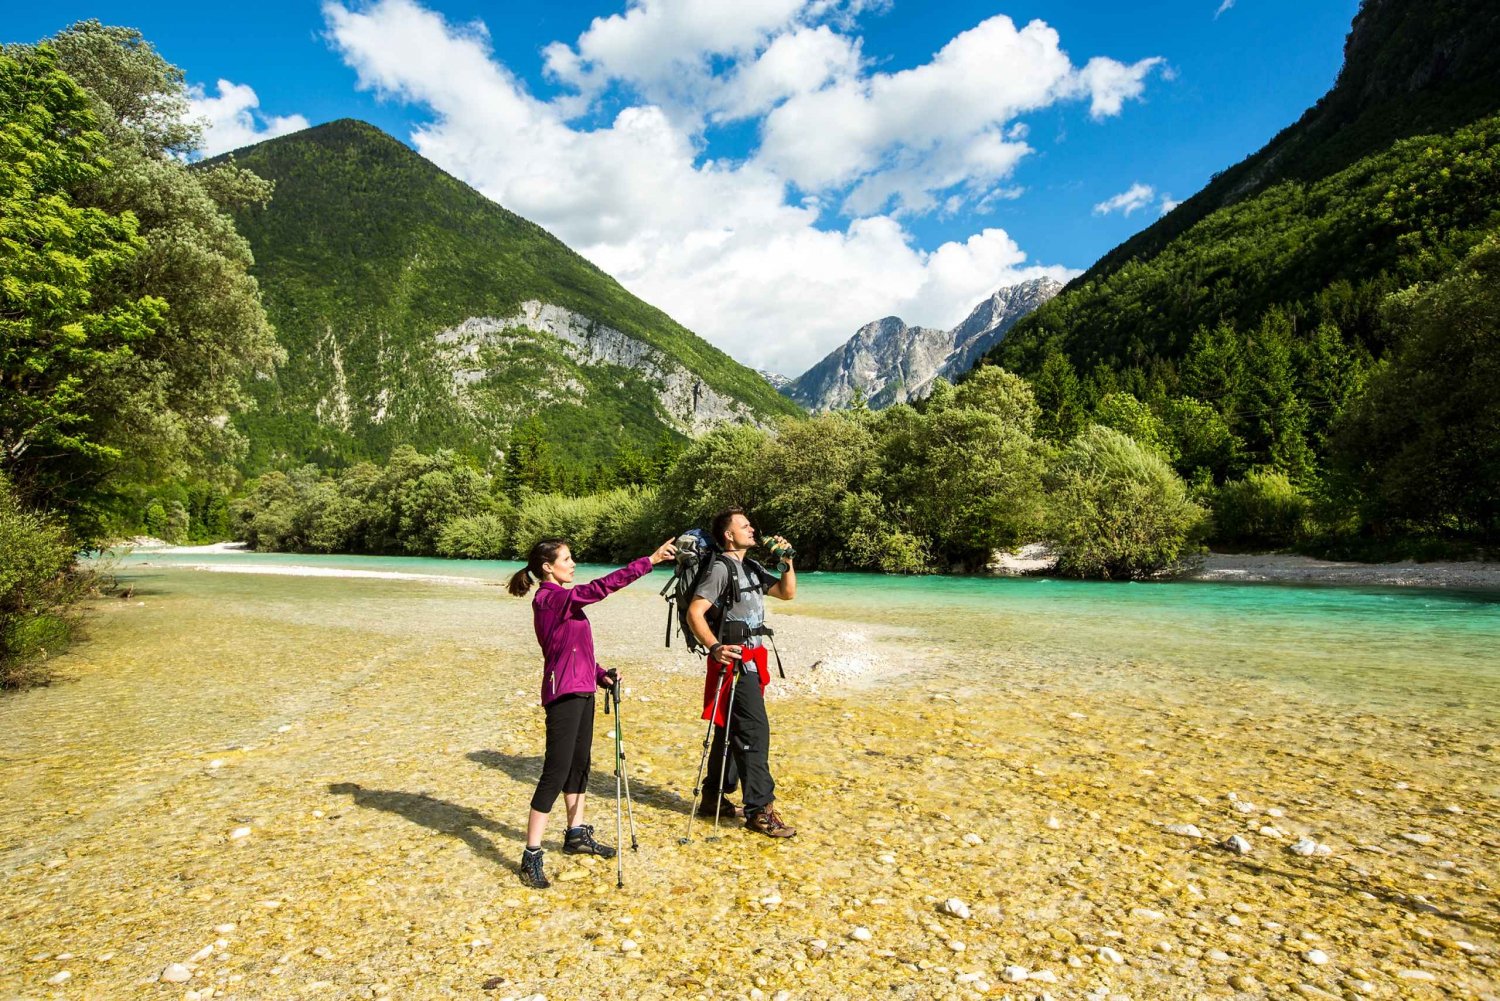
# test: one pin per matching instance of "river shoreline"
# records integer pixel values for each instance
(1256, 568)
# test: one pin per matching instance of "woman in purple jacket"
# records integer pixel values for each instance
(570, 673)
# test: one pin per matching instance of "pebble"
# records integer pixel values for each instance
(1218, 955)
(1237, 844)
(1186, 830)
(1015, 974)
(1243, 982)
(1273, 812)
(201, 954)
(628, 945)
(1043, 976)
(1307, 847)
(238, 833)
(1416, 975)
(1316, 957)
(861, 934)
(1271, 832)
(771, 901)
(956, 945)
(957, 908)
(1109, 955)
(176, 973)
(973, 839)
(1146, 914)
(225, 929)
(1053, 823)
(1419, 838)
(886, 858)
(59, 978)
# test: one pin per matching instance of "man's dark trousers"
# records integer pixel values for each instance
(749, 746)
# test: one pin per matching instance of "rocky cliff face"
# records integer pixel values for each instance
(480, 348)
(887, 362)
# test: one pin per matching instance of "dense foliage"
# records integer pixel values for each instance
(903, 490)
(1307, 331)
(368, 250)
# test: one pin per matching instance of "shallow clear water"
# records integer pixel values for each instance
(1405, 650)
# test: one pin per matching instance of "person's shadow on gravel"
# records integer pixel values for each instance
(527, 768)
(456, 821)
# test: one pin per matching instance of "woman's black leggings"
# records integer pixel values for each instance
(570, 739)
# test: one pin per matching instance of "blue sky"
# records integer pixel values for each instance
(775, 173)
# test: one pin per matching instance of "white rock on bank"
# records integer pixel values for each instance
(1016, 974)
(957, 908)
(1237, 844)
(176, 973)
(861, 934)
(1185, 830)
(1316, 957)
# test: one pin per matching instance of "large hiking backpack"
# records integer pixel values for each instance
(696, 555)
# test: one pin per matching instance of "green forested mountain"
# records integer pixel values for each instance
(367, 254)
(1266, 297)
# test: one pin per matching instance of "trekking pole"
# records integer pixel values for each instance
(734, 681)
(625, 770)
(687, 834)
(619, 757)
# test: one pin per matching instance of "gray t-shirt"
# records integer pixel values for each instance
(751, 606)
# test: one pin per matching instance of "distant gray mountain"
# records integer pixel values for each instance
(778, 381)
(888, 362)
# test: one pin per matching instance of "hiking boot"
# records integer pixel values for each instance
(767, 822)
(531, 869)
(580, 841)
(727, 810)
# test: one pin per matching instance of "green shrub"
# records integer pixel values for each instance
(1263, 509)
(38, 586)
(475, 537)
(1117, 511)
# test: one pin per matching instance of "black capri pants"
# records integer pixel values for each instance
(570, 740)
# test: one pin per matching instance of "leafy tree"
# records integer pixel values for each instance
(1059, 398)
(167, 401)
(65, 329)
(808, 469)
(1118, 510)
(1136, 420)
(962, 478)
(724, 468)
(993, 390)
(1422, 441)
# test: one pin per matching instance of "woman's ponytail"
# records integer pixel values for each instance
(544, 551)
(520, 582)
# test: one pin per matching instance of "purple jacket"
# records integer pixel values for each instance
(567, 640)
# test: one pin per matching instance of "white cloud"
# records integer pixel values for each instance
(1138, 196)
(233, 119)
(798, 62)
(1168, 203)
(1223, 7)
(663, 47)
(728, 248)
